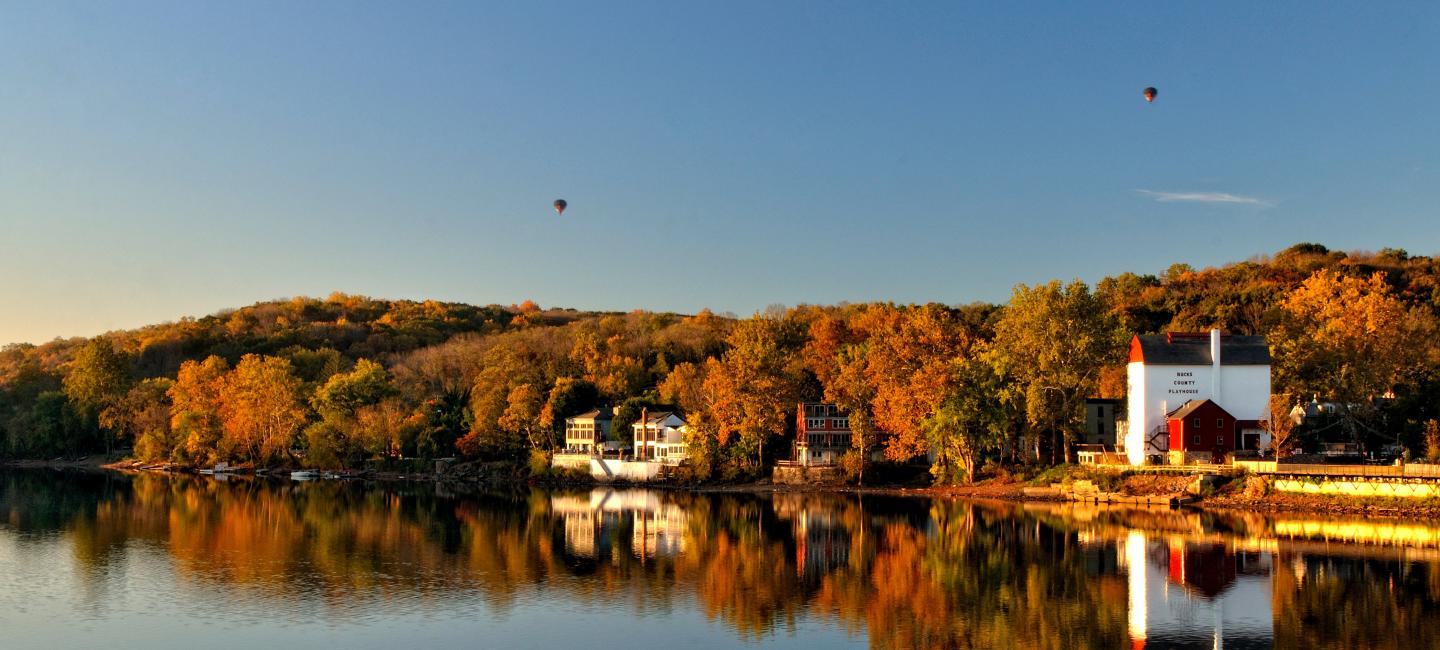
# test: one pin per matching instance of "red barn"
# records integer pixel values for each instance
(1201, 431)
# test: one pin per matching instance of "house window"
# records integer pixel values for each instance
(1219, 423)
(1197, 423)
(1220, 441)
(1195, 439)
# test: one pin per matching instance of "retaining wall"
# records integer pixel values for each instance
(581, 461)
(1358, 486)
(624, 470)
(799, 474)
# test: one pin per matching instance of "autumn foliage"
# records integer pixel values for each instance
(349, 380)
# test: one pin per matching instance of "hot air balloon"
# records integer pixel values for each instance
(560, 206)
(1150, 94)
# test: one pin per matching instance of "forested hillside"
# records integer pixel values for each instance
(347, 379)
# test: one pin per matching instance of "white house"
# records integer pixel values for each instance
(1168, 370)
(660, 436)
(589, 433)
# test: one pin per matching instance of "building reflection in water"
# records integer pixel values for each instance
(1196, 593)
(821, 541)
(890, 572)
(1199, 588)
(593, 520)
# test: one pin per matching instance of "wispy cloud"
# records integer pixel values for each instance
(1202, 197)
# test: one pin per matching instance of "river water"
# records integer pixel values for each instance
(117, 561)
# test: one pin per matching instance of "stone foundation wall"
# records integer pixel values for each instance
(799, 474)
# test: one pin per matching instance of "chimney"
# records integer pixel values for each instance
(1215, 365)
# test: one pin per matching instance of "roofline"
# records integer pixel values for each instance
(1137, 349)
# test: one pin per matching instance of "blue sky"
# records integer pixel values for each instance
(159, 160)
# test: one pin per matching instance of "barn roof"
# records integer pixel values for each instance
(1192, 406)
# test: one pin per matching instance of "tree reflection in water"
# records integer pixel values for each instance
(893, 572)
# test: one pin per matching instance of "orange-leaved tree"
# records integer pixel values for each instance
(1351, 339)
(261, 409)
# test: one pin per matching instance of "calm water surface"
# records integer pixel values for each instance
(114, 561)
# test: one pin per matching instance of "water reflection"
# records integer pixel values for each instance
(593, 521)
(275, 560)
(1200, 594)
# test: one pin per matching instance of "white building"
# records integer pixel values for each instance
(1168, 370)
(589, 433)
(660, 436)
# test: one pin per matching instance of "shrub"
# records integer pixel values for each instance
(539, 463)
(852, 464)
(1069, 473)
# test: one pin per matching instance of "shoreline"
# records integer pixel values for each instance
(88, 463)
(1228, 501)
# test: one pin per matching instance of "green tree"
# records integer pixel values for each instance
(143, 417)
(344, 394)
(340, 438)
(98, 376)
(316, 366)
(569, 397)
(971, 421)
(55, 421)
(1055, 342)
(20, 388)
